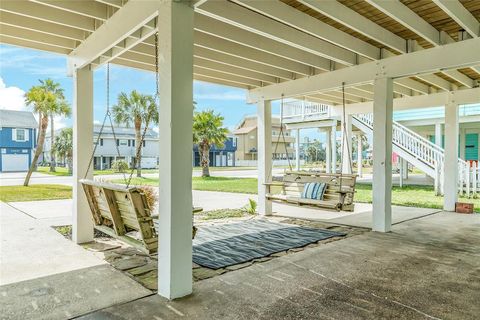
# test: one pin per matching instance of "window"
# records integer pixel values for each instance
(129, 143)
(101, 142)
(20, 135)
(143, 143)
(122, 142)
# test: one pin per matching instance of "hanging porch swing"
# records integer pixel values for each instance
(122, 211)
(318, 190)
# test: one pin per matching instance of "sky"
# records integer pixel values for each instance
(21, 69)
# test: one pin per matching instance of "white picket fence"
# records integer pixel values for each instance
(469, 179)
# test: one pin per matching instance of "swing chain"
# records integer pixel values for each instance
(147, 120)
(344, 139)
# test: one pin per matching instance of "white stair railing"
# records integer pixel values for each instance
(431, 155)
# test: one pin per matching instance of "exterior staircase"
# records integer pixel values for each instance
(418, 151)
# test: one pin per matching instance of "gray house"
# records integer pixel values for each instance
(106, 152)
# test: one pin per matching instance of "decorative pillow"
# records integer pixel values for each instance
(313, 190)
(321, 191)
(310, 190)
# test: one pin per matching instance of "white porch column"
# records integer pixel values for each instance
(462, 142)
(404, 168)
(175, 34)
(382, 154)
(82, 225)
(347, 144)
(451, 155)
(328, 151)
(438, 134)
(101, 162)
(297, 150)
(333, 141)
(359, 155)
(264, 110)
(400, 177)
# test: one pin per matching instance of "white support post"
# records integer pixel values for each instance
(400, 180)
(347, 144)
(438, 134)
(328, 151)
(382, 155)
(82, 228)
(264, 110)
(333, 141)
(462, 143)
(101, 162)
(359, 155)
(450, 176)
(297, 150)
(175, 33)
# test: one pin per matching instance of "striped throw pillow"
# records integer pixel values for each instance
(313, 190)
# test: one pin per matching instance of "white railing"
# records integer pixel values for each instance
(430, 155)
(305, 110)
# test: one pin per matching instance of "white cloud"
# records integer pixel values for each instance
(11, 98)
(59, 122)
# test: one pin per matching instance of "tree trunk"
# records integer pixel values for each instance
(52, 139)
(205, 159)
(138, 145)
(38, 151)
(38, 133)
(69, 164)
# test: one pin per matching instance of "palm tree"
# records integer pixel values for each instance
(63, 146)
(140, 110)
(41, 101)
(62, 109)
(208, 130)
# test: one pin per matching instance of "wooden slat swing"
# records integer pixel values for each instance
(121, 211)
(339, 189)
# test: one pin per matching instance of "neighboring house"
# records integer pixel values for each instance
(219, 157)
(17, 140)
(106, 152)
(430, 122)
(246, 135)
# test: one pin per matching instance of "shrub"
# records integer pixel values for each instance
(120, 166)
(251, 207)
(150, 194)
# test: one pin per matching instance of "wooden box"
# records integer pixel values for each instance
(462, 207)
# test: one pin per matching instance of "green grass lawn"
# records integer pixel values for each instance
(223, 184)
(59, 171)
(35, 192)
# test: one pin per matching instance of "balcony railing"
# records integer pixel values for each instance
(299, 110)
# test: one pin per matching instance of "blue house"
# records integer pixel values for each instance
(17, 140)
(219, 157)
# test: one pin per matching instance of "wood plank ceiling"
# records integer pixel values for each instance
(231, 52)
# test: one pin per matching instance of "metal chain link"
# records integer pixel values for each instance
(147, 121)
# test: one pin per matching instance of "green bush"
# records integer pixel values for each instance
(120, 166)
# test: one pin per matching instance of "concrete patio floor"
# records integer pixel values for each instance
(428, 268)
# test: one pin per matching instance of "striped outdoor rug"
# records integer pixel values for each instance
(219, 246)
